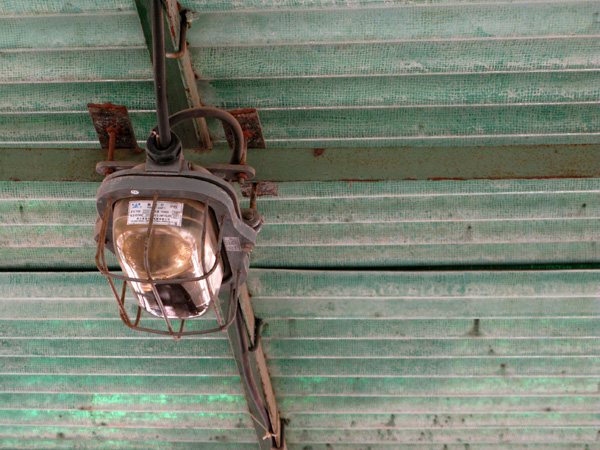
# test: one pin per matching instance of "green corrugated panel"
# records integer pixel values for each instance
(47, 7)
(320, 72)
(358, 360)
(89, 381)
(74, 97)
(64, 31)
(367, 59)
(376, 23)
(360, 224)
(61, 130)
(327, 5)
(394, 90)
(57, 57)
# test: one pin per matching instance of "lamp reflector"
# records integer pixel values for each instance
(174, 251)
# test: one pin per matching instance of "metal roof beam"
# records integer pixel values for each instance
(335, 164)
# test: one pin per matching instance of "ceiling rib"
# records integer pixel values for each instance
(340, 164)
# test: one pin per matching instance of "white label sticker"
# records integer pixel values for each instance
(167, 213)
(232, 244)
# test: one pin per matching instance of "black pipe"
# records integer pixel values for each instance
(160, 77)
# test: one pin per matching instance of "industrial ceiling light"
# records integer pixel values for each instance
(177, 231)
(176, 228)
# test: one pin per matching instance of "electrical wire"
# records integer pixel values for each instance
(239, 148)
(160, 77)
(247, 376)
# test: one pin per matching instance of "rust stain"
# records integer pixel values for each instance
(251, 128)
(357, 180)
(109, 118)
(243, 111)
(263, 188)
(318, 152)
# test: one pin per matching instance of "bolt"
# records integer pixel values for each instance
(241, 178)
(248, 215)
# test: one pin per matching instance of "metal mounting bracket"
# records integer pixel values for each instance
(113, 119)
(248, 119)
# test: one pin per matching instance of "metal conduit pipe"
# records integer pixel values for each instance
(160, 77)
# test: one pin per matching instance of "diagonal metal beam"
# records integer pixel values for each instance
(182, 91)
(259, 373)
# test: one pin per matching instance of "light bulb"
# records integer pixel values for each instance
(174, 251)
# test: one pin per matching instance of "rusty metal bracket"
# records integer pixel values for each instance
(113, 166)
(113, 119)
(263, 188)
(231, 172)
(248, 119)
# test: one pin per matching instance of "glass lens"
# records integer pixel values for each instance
(174, 251)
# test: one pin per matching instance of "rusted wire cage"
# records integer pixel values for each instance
(153, 282)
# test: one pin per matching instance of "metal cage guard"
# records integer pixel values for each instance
(103, 268)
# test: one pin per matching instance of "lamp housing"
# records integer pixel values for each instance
(180, 236)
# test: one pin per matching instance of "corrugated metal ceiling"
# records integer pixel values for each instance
(381, 358)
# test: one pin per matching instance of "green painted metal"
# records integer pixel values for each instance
(190, 436)
(245, 6)
(100, 64)
(48, 7)
(395, 90)
(375, 23)
(74, 97)
(422, 126)
(367, 90)
(335, 164)
(478, 56)
(375, 224)
(455, 74)
(66, 443)
(339, 378)
(453, 355)
(64, 31)
(54, 130)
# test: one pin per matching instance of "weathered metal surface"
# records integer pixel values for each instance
(109, 119)
(29, 8)
(335, 164)
(347, 224)
(457, 74)
(354, 92)
(419, 368)
(181, 86)
(263, 188)
(290, 24)
(442, 360)
(248, 119)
